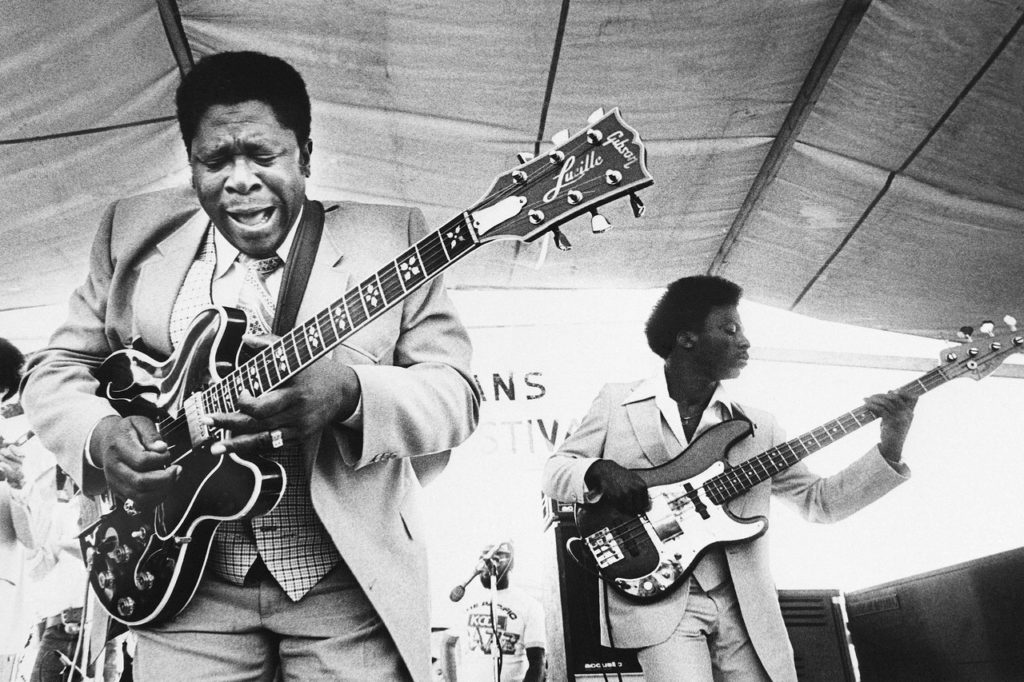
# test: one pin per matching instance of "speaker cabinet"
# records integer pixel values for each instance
(962, 622)
(817, 630)
(571, 610)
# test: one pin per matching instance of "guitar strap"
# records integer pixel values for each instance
(299, 265)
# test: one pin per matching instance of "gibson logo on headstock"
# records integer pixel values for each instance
(615, 140)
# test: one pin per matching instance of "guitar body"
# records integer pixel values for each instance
(646, 557)
(145, 563)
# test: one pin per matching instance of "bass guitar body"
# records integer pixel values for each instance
(145, 563)
(645, 557)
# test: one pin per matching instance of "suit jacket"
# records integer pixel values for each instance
(418, 395)
(633, 433)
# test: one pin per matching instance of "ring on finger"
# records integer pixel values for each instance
(276, 439)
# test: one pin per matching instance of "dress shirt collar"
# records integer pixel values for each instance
(227, 253)
(656, 387)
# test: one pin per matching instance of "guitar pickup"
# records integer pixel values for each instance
(198, 432)
(605, 548)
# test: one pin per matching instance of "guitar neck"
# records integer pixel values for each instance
(739, 479)
(360, 305)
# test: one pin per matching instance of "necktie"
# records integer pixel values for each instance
(254, 297)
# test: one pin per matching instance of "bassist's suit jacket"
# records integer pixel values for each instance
(625, 425)
(418, 395)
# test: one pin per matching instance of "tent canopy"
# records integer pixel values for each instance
(853, 161)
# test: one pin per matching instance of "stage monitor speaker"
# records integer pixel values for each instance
(817, 630)
(963, 622)
(571, 610)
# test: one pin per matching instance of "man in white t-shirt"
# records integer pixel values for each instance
(516, 621)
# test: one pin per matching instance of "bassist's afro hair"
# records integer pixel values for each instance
(685, 306)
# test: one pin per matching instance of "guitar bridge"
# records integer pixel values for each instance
(605, 548)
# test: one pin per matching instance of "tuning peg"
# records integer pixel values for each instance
(637, 206)
(1011, 322)
(524, 157)
(560, 240)
(987, 327)
(560, 138)
(596, 116)
(965, 333)
(598, 223)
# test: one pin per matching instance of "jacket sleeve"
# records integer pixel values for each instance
(564, 472)
(833, 498)
(425, 399)
(59, 391)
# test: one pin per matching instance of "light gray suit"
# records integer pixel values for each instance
(633, 433)
(418, 395)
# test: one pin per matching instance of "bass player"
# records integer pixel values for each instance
(724, 623)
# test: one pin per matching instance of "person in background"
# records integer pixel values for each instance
(725, 623)
(332, 583)
(514, 618)
(15, 607)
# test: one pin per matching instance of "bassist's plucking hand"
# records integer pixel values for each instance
(134, 459)
(896, 410)
(618, 486)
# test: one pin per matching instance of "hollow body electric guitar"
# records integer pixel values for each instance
(645, 557)
(145, 564)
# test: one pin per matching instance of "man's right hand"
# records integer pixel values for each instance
(620, 487)
(134, 459)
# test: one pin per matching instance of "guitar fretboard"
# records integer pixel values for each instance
(359, 306)
(739, 479)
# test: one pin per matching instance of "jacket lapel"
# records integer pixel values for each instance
(160, 278)
(328, 280)
(645, 418)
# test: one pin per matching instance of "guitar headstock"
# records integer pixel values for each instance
(602, 162)
(980, 356)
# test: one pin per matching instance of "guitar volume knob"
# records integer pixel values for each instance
(145, 580)
(121, 553)
(125, 606)
(105, 579)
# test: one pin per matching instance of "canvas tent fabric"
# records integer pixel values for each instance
(855, 161)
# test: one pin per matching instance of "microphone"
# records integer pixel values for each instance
(482, 566)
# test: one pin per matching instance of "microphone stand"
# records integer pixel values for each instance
(495, 641)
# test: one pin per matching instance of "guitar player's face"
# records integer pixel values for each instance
(722, 346)
(249, 172)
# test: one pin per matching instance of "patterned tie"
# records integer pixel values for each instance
(254, 297)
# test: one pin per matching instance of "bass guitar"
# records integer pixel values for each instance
(145, 564)
(645, 557)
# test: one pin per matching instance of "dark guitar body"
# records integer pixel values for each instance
(644, 558)
(145, 563)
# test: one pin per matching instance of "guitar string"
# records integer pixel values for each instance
(434, 248)
(727, 485)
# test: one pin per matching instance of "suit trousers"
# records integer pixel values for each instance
(710, 644)
(256, 632)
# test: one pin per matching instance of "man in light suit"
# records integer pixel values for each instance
(724, 621)
(332, 583)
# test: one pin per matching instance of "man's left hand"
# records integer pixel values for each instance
(320, 394)
(896, 410)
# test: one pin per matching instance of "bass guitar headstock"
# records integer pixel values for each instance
(984, 352)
